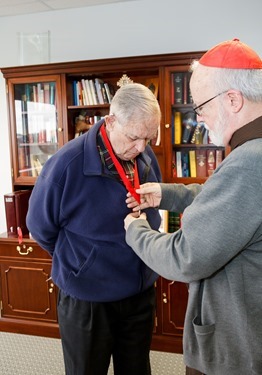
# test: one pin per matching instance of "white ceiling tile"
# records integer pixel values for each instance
(16, 7)
(23, 8)
(63, 4)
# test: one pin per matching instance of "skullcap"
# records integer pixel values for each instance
(232, 54)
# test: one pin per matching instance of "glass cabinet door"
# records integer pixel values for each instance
(35, 127)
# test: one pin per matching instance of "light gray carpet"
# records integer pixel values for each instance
(33, 355)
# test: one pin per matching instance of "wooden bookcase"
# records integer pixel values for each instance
(37, 133)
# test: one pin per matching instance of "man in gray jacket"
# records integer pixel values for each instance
(218, 249)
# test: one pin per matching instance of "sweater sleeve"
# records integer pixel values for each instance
(213, 229)
(176, 197)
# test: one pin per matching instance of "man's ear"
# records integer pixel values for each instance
(236, 100)
(109, 120)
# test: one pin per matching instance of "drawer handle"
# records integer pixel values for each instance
(51, 289)
(21, 250)
(164, 298)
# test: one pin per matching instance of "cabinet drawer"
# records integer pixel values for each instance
(25, 250)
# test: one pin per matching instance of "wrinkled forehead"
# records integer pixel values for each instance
(143, 129)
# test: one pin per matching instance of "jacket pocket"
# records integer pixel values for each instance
(205, 339)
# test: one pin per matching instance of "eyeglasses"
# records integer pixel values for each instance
(198, 109)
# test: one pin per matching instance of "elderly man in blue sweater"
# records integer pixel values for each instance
(106, 299)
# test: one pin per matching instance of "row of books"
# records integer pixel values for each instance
(174, 221)
(180, 88)
(187, 130)
(92, 92)
(38, 135)
(41, 92)
(196, 163)
(35, 122)
(40, 138)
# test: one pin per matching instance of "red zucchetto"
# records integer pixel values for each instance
(232, 54)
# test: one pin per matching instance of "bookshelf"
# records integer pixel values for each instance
(49, 105)
(193, 157)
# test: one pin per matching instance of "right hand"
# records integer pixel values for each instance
(150, 196)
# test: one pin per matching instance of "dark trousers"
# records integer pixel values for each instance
(92, 332)
(191, 371)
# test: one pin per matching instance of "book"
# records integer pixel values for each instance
(174, 221)
(201, 163)
(185, 88)
(74, 88)
(99, 84)
(109, 91)
(16, 207)
(178, 164)
(46, 93)
(52, 93)
(185, 163)
(192, 163)
(85, 95)
(174, 168)
(177, 128)
(211, 162)
(178, 88)
(219, 157)
(93, 91)
(24, 118)
(204, 133)
(189, 97)
(103, 90)
(188, 126)
(80, 93)
(88, 92)
(40, 93)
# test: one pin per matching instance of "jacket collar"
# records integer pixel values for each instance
(92, 162)
(252, 130)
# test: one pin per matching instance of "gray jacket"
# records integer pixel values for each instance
(218, 251)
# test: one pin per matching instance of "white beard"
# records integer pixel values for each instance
(217, 134)
(216, 138)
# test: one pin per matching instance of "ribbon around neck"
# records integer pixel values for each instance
(120, 169)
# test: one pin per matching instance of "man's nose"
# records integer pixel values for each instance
(141, 145)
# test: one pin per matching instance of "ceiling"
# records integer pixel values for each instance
(17, 7)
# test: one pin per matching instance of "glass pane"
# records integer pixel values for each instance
(36, 126)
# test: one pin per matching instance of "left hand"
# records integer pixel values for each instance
(132, 217)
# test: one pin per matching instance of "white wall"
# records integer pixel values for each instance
(132, 28)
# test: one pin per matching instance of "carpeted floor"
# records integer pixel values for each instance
(33, 355)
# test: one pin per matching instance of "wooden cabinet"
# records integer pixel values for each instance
(39, 125)
(28, 295)
(171, 307)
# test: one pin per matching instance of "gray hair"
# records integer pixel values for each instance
(135, 102)
(247, 81)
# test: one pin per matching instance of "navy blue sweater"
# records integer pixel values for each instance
(76, 213)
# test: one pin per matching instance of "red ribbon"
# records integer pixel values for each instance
(120, 169)
(20, 235)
